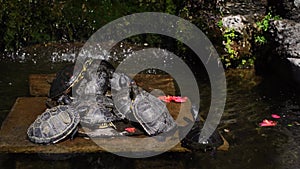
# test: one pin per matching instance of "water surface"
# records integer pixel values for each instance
(250, 99)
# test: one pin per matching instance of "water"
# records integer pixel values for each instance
(250, 99)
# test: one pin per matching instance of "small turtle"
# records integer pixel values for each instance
(94, 114)
(60, 90)
(97, 117)
(193, 141)
(152, 114)
(121, 93)
(135, 104)
(96, 81)
(54, 125)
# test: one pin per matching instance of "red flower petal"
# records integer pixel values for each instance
(130, 129)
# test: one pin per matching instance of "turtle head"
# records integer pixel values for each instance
(134, 90)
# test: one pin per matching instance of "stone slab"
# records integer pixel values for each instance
(13, 138)
(39, 84)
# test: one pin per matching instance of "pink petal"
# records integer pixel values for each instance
(130, 129)
(266, 122)
(165, 98)
(275, 116)
(179, 99)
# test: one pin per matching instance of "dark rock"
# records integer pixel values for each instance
(288, 9)
(286, 36)
(244, 7)
(282, 53)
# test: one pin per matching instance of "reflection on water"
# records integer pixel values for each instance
(250, 99)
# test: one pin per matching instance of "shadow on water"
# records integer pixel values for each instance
(250, 99)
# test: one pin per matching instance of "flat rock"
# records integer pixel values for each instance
(13, 137)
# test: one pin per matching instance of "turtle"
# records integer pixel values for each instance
(58, 122)
(95, 114)
(152, 114)
(60, 90)
(53, 125)
(121, 94)
(97, 118)
(137, 105)
(96, 81)
(193, 141)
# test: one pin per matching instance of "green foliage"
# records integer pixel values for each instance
(260, 39)
(264, 23)
(229, 36)
(30, 22)
(233, 58)
(263, 26)
(220, 23)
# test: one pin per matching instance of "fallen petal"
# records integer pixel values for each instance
(166, 99)
(179, 99)
(267, 123)
(130, 129)
(275, 116)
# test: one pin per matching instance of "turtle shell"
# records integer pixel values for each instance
(193, 141)
(120, 81)
(96, 80)
(152, 114)
(53, 125)
(102, 82)
(60, 83)
(67, 77)
(121, 90)
(94, 115)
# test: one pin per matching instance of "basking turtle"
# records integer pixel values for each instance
(97, 117)
(54, 125)
(58, 122)
(135, 104)
(96, 81)
(60, 90)
(152, 114)
(121, 93)
(94, 114)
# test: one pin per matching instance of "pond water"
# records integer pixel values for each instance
(250, 99)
